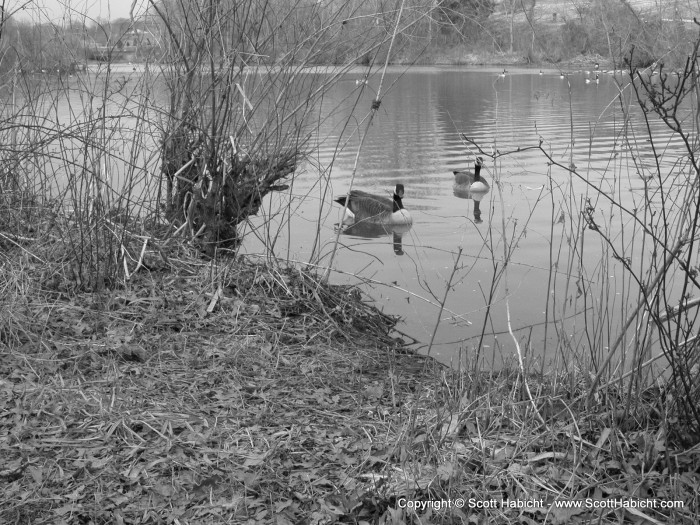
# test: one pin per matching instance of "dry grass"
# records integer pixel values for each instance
(249, 393)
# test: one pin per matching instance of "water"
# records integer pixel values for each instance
(563, 286)
(530, 216)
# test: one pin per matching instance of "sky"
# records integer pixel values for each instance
(55, 10)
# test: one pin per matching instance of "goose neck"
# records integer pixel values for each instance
(398, 205)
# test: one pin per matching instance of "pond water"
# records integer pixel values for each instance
(526, 270)
(532, 219)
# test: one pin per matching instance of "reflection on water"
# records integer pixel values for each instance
(465, 193)
(416, 139)
(369, 230)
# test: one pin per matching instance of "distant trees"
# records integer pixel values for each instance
(294, 29)
(463, 17)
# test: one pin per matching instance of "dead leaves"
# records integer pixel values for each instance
(188, 407)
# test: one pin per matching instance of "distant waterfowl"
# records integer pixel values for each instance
(365, 207)
(503, 75)
(596, 79)
(541, 72)
(360, 81)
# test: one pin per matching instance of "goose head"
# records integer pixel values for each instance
(398, 196)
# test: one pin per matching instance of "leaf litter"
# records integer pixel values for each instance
(256, 394)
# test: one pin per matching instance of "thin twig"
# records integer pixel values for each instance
(670, 257)
(375, 107)
(444, 300)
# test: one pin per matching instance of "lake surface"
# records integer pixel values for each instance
(563, 287)
(560, 273)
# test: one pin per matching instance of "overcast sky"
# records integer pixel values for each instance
(55, 10)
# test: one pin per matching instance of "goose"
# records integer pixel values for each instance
(541, 72)
(503, 75)
(596, 80)
(363, 206)
(472, 180)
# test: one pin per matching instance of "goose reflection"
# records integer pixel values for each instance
(369, 230)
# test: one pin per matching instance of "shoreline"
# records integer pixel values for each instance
(274, 399)
(476, 62)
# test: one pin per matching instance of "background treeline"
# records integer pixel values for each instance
(446, 32)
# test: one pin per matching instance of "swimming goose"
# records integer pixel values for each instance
(596, 80)
(472, 180)
(363, 206)
(503, 75)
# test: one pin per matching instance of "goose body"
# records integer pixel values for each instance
(472, 180)
(368, 208)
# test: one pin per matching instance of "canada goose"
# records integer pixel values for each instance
(595, 69)
(472, 180)
(365, 207)
(541, 72)
(503, 75)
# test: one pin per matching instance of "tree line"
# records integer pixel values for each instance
(434, 31)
